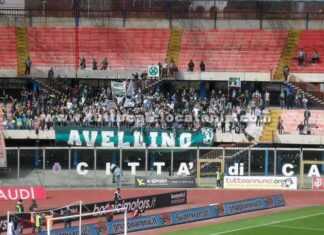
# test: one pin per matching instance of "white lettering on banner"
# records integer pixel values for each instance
(237, 169)
(153, 136)
(168, 140)
(15, 194)
(74, 138)
(133, 166)
(121, 140)
(313, 171)
(185, 139)
(80, 169)
(138, 139)
(159, 167)
(183, 169)
(108, 171)
(90, 137)
(106, 136)
(285, 168)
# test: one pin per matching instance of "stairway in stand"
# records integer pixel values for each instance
(270, 129)
(287, 54)
(174, 46)
(308, 90)
(22, 49)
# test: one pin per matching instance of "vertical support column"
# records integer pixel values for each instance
(301, 164)
(95, 163)
(249, 161)
(18, 163)
(198, 166)
(224, 159)
(44, 159)
(172, 162)
(322, 159)
(69, 157)
(275, 162)
(121, 159)
(266, 162)
(146, 161)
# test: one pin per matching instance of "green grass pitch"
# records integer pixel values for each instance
(306, 221)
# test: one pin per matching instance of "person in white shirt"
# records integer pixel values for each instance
(10, 228)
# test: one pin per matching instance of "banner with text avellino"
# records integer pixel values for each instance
(111, 137)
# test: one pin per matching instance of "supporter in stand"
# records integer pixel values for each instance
(286, 72)
(307, 115)
(104, 64)
(94, 64)
(83, 63)
(191, 66)
(202, 66)
(173, 69)
(300, 128)
(301, 57)
(165, 69)
(86, 106)
(50, 73)
(315, 57)
(280, 126)
(28, 65)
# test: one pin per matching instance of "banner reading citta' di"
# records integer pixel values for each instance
(110, 137)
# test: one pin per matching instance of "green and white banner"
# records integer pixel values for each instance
(153, 71)
(110, 137)
(118, 88)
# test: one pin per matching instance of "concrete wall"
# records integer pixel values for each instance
(162, 23)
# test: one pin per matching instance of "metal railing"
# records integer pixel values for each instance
(57, 166)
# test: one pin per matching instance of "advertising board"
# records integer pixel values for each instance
(260, 182)
(166, 182)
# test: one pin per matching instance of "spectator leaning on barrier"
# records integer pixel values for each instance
(104, 64)
(301, 57)
(94, 64)
(83, 63)
(28, 65)
(191, 66)
(315, 57)
(202, 66)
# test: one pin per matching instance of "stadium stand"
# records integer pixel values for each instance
(124, 48)
(310, 40)
(292, 118)
(8, 52)
(52, 47)
(233, 50)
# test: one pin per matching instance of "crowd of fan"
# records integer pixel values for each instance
(89, 106)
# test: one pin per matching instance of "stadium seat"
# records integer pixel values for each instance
(8, 49)
(310, 40)
(233, 50)
(52, 47)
